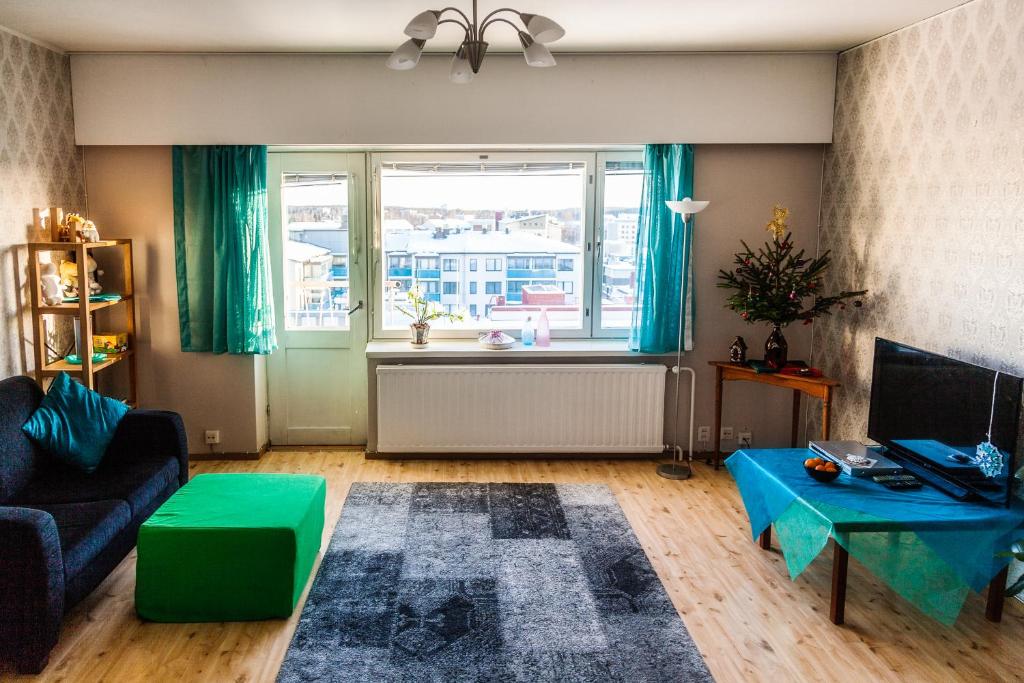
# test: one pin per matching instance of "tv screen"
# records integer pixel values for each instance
(932, 412)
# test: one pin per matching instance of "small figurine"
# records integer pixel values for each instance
(80, 229)
(49, 280)
(738, 351)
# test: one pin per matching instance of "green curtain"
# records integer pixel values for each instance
(663, 253)
(222, 256)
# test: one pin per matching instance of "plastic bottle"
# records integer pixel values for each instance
(528, 334)
(543, 329)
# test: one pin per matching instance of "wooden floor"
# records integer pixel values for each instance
(749, 620)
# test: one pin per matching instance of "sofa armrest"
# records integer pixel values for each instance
(149, 433)
(31, 586)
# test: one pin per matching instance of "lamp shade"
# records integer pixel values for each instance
(407, 55)
(542, 29)
(536, 53)
(687, 206)
(423, 25)
(461, 71)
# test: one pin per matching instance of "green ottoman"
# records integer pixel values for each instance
(230, 547)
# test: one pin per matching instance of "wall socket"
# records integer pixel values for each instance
(704, 434)
(212, 436)
(744, 439)
(727, 434)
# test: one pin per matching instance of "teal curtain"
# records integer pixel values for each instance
(663, 250)
(222, 254)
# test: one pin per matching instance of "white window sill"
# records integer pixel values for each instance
(468, 348)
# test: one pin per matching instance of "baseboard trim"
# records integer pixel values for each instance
(229, 455)
(513, 456)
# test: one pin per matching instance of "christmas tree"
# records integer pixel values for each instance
(772, 284)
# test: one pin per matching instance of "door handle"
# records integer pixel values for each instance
(357, 307)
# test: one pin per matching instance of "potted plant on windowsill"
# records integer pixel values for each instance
(770, 285)
(422, 312)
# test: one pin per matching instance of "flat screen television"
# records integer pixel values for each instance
(930, 412)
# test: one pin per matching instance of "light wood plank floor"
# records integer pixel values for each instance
(749, 620)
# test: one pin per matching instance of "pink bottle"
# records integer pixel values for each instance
(543, 329)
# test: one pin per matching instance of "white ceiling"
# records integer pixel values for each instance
(376, 25)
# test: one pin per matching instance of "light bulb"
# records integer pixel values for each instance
(542, 29)
(461, 71)
(406, 55)
(423, 25)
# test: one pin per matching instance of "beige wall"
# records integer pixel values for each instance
(39, 167)
(130, 195)
(923, 199)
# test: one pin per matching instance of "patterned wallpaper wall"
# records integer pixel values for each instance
(923, 198)
(39, 166)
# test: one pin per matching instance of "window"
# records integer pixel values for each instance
(623, 185)
(314, 217)
(552, 229)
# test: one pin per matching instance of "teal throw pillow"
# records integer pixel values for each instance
(75, 424)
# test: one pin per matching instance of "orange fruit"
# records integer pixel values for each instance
(810, 462)
(820, 468)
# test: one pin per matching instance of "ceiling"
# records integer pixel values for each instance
(376, 25)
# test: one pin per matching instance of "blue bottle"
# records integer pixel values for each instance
(528, 334)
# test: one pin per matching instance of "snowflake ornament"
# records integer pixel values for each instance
(989, 459)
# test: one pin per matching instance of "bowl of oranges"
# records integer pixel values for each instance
(821, 469)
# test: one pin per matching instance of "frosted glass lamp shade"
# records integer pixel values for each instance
(423, 25)
(687, 206)
(535, 52)
(542, 29)
(461, 72)
(407, 55)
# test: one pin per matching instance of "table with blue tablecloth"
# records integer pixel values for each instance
(930, 548)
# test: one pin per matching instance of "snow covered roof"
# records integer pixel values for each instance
(476, 243)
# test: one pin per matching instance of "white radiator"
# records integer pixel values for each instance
(520, 408)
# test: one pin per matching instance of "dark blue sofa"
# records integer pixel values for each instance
(62, 531)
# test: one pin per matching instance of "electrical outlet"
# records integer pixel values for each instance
(727, 434)
(704, 434)
(212, 436)
(744, 439)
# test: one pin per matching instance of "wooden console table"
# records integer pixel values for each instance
(818, 387)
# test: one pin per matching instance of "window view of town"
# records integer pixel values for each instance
(494, 242)
(500, 242)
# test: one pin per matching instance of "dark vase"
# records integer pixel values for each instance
(776, 350)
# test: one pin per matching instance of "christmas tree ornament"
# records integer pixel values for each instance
(988, 458)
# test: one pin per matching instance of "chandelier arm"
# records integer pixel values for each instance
(503, 9)
(458, 23)
(494, 20)
(456, 9)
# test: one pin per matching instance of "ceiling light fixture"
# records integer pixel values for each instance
(470, 54)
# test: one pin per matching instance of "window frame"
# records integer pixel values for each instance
(590, 247)
(599, 331)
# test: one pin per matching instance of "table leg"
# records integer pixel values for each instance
(717, 453)
(996, 591)
(840, 563)
(826, 414)
(766, 539)
(796, 419)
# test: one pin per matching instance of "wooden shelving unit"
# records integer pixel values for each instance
(83, 310)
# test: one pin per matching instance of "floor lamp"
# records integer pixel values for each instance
(680, 468)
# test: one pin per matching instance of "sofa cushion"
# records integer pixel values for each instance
(138, 481)
(19, 456)
(86, 529)
(74, 423)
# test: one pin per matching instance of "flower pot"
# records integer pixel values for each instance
(420, 334)
(776, 350)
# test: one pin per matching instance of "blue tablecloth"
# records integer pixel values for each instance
(927, 546)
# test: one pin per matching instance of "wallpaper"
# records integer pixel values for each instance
(923, 199)
(39, 166)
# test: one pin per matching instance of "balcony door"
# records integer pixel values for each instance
(317, 377)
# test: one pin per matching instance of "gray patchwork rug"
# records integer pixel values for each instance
(487, 582)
